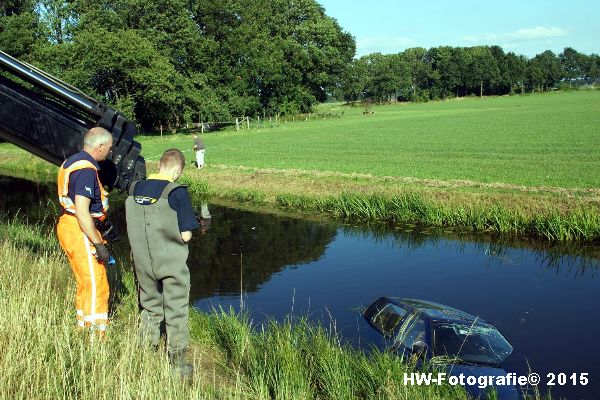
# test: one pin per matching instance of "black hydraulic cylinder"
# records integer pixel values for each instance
(50, 120)
(47, 83)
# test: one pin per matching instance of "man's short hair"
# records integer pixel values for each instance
(171, 158)
(95, 137)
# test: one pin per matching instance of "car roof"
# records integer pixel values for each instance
(437, 312)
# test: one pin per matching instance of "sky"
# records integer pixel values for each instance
(521, 26)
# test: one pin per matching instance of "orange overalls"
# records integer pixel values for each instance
(91, 301)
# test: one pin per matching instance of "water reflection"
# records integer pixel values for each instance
(260, 247)
(571, 258)
(205, 219)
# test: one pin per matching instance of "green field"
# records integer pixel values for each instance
(536, 140)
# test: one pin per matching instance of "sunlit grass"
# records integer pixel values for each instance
(42, 354)
(542, 140)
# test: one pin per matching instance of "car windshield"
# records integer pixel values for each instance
(471, 344)
(388, 318)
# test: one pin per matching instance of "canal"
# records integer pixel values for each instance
(541, 296)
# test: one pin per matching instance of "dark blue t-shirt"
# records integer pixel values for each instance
(83, 182)
(179, 200)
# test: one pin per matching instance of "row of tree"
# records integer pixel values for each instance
(418, 74)
(168, 62)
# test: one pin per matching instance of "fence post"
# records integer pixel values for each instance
(161, 131)
(237, 124)
(248, 122)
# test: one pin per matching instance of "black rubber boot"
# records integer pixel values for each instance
(180, 366)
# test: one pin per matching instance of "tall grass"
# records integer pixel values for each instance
(42, 356)
(41, 353)
(571, 225)
(298, 360)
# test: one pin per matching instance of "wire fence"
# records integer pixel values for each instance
(246, 122)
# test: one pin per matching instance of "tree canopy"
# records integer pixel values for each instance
(417, 74)
(175, 61)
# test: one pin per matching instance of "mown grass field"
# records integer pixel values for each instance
(535, 140)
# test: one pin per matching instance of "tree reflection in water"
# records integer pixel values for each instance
(263, 244)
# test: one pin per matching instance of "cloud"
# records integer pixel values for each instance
(382, 44)
(539, 32)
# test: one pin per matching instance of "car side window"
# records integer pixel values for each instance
(388, 318)
(411, 331)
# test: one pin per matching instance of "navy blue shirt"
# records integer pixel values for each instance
(179, 200)
(84, 182)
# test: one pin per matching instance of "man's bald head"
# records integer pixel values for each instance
(98, 142)
(95, 137)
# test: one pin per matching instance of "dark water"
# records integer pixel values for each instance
(543, 298)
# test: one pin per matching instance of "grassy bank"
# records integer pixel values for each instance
(44, 357)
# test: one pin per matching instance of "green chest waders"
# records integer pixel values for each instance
(160, 257)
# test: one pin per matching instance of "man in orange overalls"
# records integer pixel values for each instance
(83, 199)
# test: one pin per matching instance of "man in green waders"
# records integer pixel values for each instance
(160, 219)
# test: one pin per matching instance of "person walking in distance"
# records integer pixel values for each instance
(160, 220)
(200, 149)
(84, 200)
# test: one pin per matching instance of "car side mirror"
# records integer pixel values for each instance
(419, 347)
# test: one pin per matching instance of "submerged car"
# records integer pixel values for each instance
(456, 341)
